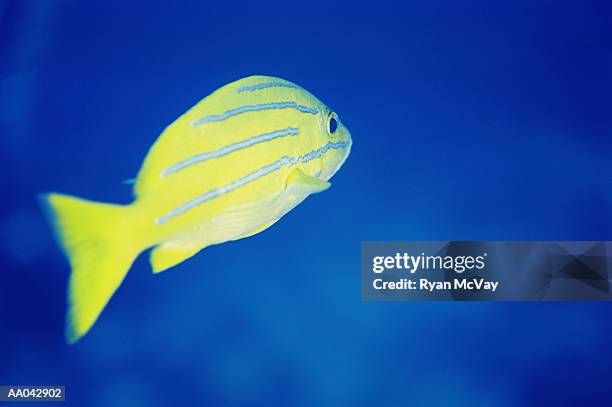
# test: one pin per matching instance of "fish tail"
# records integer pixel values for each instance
(98, 240)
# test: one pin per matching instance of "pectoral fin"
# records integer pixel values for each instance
(170, 254)
(305, 183)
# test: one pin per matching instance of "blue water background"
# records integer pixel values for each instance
(470, 120)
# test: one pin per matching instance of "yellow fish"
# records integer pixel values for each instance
(228, 168)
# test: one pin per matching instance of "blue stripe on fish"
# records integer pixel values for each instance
(320, 151)
(265, 85)
(255, 175)
(253, 108)
(214, 193)
(198, 158)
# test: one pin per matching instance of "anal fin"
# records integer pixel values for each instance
(170, 254)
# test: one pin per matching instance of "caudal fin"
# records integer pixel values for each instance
(98, 240)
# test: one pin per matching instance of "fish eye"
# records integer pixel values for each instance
(332, 125)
